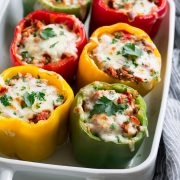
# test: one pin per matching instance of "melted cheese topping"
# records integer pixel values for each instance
(135, 7)
(115, 127)
(68, 2)
(27, 96)
(109, 54)
(63, 42)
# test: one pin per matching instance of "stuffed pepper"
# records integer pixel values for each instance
(34, 106)
(144, 14)
(120, 53)
(79, 8)
(49, 40)
(108, 125)
(28, 6)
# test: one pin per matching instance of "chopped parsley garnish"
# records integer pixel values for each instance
(40, 96)
(61, 26)
(130, 51)
(58, 1)
(47, 33)
(47, 60)
(127, 66)
(53, 45)
(60, 98)
(114, 41)
(7, 81)
(34, 34)
(135, 63)
(5, 100)
(117, 35)
(26, 56)
(16, 76)
(105, 105)
(38, 106)
(38, 81)
(112, 126)
(118, 53)
(120, 5)
(108, 58)
(23, 79)
(29, 98)
(154, 74)
(155, 78)
(23, 88)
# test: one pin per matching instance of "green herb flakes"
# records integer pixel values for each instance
(108, 58)
(40, 96)
(29, 98)
(105, 105)
(23, 88)
(47, 33)
(60, 98)
(38, 106)
(53, 45)
(120, 5)
(7, 81)
(130, 51)
(26, 56)
(112, 126)
(154, 74)
(118, 53)
(5, 100)
(114, 41)
(117, 35)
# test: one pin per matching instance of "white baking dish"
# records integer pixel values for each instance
(62, 165)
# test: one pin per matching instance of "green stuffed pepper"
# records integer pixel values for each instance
(28, 6)
(79, 8)
(108, 124)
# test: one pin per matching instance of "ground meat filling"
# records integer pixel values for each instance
(28, 98)
(68, 2)
(126, 57)
(111, 115)
(41, 44)
(134, 7)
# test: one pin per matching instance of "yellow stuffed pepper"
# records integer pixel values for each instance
(120, 53)
(34, 106)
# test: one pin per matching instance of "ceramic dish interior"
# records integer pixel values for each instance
(62, 163)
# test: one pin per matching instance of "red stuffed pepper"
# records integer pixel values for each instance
(144, 14)
(49, 40)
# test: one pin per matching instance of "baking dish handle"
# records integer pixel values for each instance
(6, 174)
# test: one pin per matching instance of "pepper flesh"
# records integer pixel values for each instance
(102, 15)
(77, 10)
(30, 141)
(66, 67)
(90, 150)
(93, 73)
